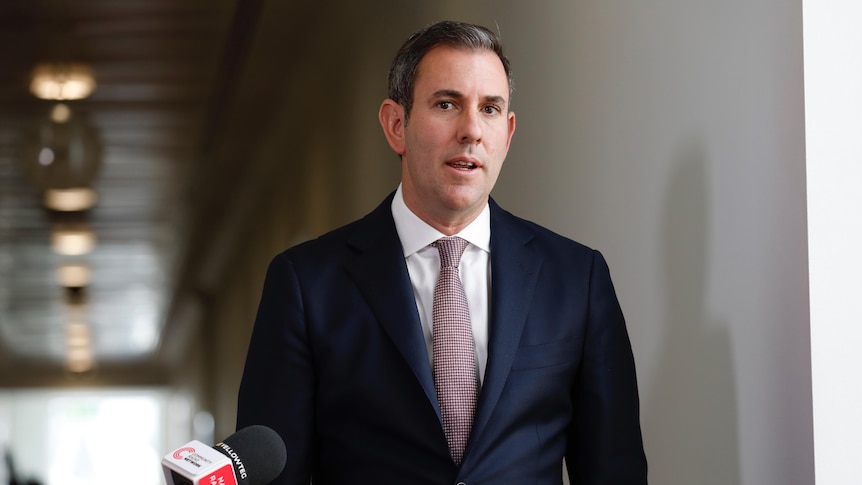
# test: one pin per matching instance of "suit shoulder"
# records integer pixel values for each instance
(324, 248)
(344, 240)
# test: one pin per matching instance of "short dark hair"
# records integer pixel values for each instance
(402, 73)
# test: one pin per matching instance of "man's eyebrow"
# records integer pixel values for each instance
(495, 100)
(447, 93)
(454, 93)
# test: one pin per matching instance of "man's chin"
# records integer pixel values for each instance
(465, 204)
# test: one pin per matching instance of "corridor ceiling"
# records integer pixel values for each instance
(161, 69)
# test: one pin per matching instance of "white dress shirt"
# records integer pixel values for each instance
(423, 264)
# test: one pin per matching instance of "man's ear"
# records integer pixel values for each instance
(511, 127)
(391, 118)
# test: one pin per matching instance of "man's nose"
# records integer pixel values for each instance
(470, 127)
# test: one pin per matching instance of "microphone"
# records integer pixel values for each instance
(252, 456)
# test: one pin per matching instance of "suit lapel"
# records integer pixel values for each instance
(514, 272)
(380, 272)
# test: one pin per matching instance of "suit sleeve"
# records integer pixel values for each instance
(605, 445)
(278, 382)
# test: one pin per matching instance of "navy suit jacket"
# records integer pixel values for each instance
(338, 366)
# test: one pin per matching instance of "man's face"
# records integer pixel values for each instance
(457, 135)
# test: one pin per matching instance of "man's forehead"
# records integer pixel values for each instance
(443, 56)
(452, 52)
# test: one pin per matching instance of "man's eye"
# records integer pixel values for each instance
(445, 105)
(491, 110)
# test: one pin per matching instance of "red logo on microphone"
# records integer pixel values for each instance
(179, 453)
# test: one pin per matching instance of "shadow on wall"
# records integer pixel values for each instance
(693, 413)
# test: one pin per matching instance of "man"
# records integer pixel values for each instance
(355, 361)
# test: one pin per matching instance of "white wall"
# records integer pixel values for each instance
(833, 101)
(670, 135)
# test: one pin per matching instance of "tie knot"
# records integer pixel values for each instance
(451, 249)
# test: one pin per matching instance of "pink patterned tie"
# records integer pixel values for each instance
(453, 357)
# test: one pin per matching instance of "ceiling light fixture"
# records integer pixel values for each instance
(78, 335)
(73, 241)
(80, 358)
(60, 113)
(73, 275)
(70, 200)
(62, 81)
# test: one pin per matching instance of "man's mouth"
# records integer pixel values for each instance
(463, 165)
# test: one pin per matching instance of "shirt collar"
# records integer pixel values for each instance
(416, 234)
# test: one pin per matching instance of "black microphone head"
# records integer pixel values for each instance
(257, 452)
